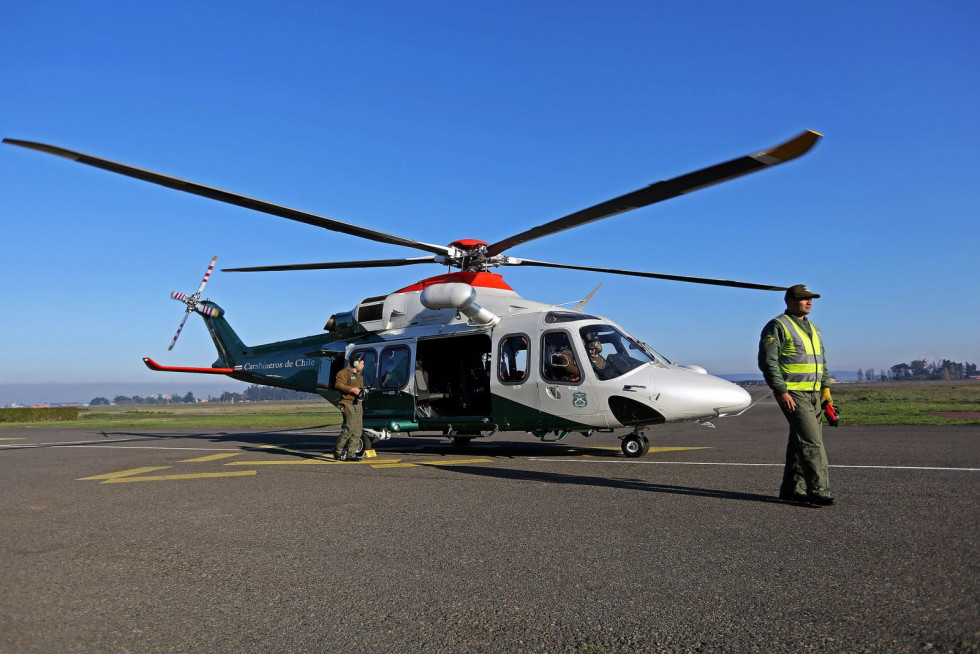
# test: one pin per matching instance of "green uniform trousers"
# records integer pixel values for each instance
(806, 461)
(350, 433)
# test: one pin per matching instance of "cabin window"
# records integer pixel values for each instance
(370, 372)
(514, 356)
(558, 363)
(393, 368)
(611, 352)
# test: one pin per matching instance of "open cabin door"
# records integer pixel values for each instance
(330, 364)
(452, 380)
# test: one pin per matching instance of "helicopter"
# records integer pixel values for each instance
(462, 353)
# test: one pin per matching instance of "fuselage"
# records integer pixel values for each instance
(515, 364)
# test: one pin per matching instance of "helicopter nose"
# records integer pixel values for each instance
(690, 394)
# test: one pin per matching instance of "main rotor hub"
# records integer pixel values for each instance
(472, 254)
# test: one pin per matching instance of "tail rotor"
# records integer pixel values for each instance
(193, 303)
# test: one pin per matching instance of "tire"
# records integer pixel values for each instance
(635, 446)
(462, 442)
(362, 445)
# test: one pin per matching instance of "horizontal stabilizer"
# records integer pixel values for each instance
(153, 365)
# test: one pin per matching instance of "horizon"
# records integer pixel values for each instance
(438, 123)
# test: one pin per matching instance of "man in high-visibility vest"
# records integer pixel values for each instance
(794, 364)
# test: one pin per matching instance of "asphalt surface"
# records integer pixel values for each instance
(125, 543)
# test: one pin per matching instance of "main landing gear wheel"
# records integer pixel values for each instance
(362, 445)
(635, 446)
(462, 442)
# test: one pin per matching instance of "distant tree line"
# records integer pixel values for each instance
(124, 400)
(253, 393)
(921, 370)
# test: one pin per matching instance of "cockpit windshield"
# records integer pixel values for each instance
(611, 352)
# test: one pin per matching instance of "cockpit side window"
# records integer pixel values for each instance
(558, 363)
(611, 352)
(514, 356)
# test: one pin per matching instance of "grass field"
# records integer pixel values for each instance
(254, 415)
(902, 403)
(906, 403)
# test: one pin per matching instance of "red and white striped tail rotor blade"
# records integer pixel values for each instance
(174, 342)
(177, 295)
(206, 275)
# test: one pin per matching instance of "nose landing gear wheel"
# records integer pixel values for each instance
(462, 442)
(635, 446)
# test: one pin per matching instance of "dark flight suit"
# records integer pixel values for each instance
(806, 469)
(346, 381)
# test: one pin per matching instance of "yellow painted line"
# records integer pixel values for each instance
(675, 449)
(451, 462)
(298, 452)
(198, 475)
(212, 457)
(124, 473)
(302, 462)
(12, 439)
(278, 462)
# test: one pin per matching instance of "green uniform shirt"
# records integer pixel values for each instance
(770, 344)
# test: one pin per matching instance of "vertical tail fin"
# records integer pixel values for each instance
(231, 350)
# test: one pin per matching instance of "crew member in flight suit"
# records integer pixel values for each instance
(350, 382)
(793, 361)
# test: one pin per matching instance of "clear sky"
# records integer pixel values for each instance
(447, 120)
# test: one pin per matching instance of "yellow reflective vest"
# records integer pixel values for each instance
(801, 358)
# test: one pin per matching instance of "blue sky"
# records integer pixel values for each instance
(445, 120)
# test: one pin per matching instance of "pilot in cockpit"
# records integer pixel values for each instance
(600, 366)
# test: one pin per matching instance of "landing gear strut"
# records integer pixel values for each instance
(635, 444)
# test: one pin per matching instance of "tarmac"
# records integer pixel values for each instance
(135, 541)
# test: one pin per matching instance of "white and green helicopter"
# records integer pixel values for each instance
(462, 353)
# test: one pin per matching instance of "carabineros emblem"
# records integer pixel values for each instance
(580, 400)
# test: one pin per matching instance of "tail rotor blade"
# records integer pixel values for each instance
(206, 275)
(174, 342)
(177, 295)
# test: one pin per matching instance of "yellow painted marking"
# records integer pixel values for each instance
(212, 457)
(278, 462)
(301, 462)
(12, 439)
(199, 475)
(431, 463)
(124, 473)
(324, 455)
(676, 449)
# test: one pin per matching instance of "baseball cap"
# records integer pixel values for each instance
(799, 292)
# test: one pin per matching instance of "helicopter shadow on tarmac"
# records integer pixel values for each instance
(300, 444)
(607, 482)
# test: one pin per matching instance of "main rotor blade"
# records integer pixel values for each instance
(635, 273)
(667, 189)
(229, 197)
(372, 263)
